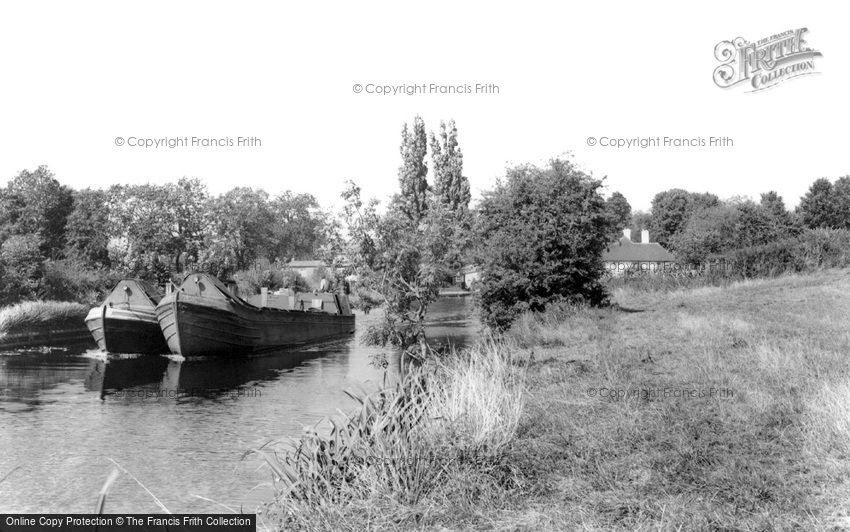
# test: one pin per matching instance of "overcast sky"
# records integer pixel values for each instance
(76, 75)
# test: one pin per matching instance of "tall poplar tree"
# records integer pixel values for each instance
(413, 173)
(451, 188)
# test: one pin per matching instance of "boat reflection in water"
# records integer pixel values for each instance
(112, 374)
(175, 378)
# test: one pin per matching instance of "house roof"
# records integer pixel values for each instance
(624, 250)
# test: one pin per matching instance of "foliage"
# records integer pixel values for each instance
(707, 232)
(246, 225)
(35, 203)
(781, 219)
(241, 221)
(156, 230)
(74, 280)
(826, 205)
(542, 232)
(813, 249)
(21, 260)
(298, 227)
(412, 199)
(21, 254)
(404, 264)
(734, 224)
(408, 253)
(640, 220)
(451, 187)
(620, 212)
(87, 234)
(671, 210)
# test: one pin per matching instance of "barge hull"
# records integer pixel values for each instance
(126, 331)
(126, 321)
(219, 324)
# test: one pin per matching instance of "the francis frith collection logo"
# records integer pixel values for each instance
(765, 63)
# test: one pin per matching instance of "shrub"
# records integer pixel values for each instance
(20, 259)
(825, 248)
(813, 249)
(542, 233)
(72, 280)
(365, 299)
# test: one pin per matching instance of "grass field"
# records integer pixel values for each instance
(607, 443)
(703, 409)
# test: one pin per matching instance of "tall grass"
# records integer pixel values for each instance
(557, 326)
(476, 399)
(31, 315)
(403, 447)
(828, 419)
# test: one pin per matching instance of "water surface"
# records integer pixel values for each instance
(180, 426)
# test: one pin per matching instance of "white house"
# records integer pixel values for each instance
(626, 256)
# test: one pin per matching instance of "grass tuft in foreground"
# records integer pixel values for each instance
(32, 315)
(440, 437)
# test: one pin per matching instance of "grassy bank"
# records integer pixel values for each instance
(31, 316)
(707, 408)
(766, 450)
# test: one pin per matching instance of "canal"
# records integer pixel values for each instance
(180, 426)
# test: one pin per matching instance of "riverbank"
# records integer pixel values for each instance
(37, 323)
(716, 407)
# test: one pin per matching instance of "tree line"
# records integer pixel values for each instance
(537, 236)
(52, 235)
(698, 226)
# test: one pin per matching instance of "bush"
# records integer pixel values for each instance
(814, 249)
(542, 233)
(20, 260)
(364, 298)
(72, 280)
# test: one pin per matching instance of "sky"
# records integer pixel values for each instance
(78, 75)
